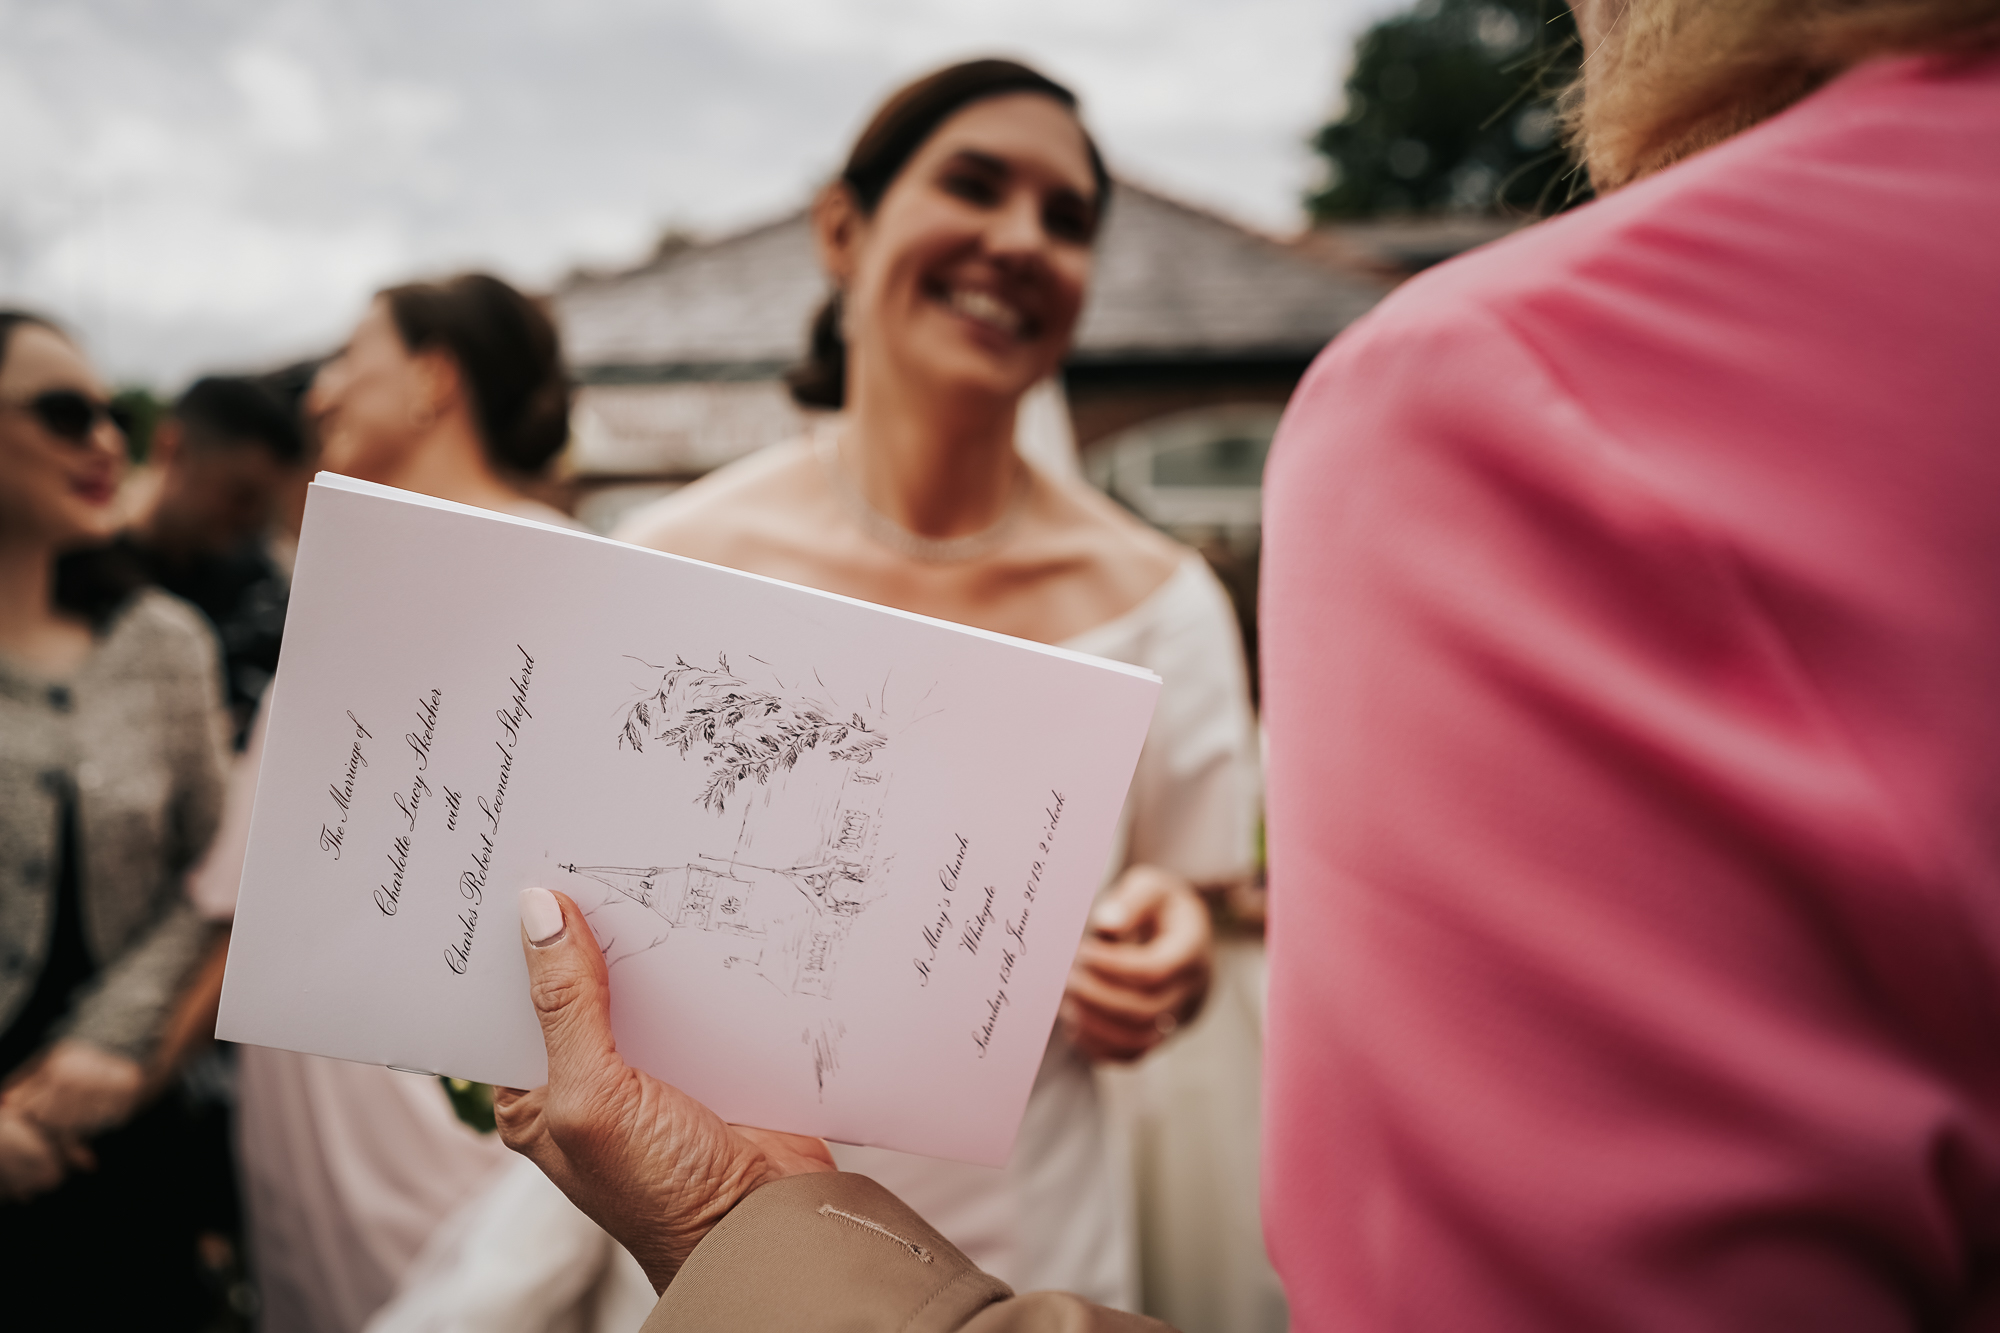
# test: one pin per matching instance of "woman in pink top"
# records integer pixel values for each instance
(454, 389)
(1635, 779)
(1633, 686)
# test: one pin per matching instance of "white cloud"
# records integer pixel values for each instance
(604, 235)
(281, 98)
(225, 183)
(181, 258)
(412, 113)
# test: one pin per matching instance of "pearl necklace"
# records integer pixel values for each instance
(912, 545)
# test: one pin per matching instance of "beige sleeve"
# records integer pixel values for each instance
(837, 1251)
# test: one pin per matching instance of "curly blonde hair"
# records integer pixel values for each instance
(1675, 76)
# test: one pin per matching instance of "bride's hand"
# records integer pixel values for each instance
(651, 1165)
(1143, 970)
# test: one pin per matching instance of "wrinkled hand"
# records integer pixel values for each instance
(649, 1164)
(1143, 968)
(78, 1090)
(30, 1163)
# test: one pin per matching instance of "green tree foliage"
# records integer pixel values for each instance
(144, 410)
(471, 1102)
(1451, 108)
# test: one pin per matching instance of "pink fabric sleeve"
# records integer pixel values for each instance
(1633, 685)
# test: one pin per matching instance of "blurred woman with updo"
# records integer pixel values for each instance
(454, 389)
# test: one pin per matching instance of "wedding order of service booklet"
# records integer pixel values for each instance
(838, 857)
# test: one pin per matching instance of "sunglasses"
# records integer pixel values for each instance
(71, 415)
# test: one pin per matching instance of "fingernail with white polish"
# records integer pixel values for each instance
(541, 917)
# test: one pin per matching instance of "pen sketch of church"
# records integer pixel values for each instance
(793, 791)
(790, 920)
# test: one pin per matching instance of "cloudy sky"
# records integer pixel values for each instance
(197, 184)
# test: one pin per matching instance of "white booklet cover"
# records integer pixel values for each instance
(838, 857)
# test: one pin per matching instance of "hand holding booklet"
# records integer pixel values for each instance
(838, 857)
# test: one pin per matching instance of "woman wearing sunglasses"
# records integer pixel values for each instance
(111, 758)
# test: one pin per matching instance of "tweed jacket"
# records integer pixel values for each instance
(136, 737)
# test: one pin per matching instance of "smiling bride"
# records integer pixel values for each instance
(958, 241)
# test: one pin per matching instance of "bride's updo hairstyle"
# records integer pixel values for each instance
(508, 355)
(892, 138)
(1675, 76)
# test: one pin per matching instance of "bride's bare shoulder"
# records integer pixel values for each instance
(1129, 552)
(712, 519)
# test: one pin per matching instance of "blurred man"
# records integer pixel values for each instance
(224, 456)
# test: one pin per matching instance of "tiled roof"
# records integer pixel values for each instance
(742, 301)
(1172, 283)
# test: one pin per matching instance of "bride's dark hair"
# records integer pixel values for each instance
(899, 128)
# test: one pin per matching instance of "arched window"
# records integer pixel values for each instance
(1197, 474)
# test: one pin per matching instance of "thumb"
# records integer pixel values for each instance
(570, 987)
(1136, 896)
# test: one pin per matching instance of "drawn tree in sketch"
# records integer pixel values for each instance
(743, 733)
